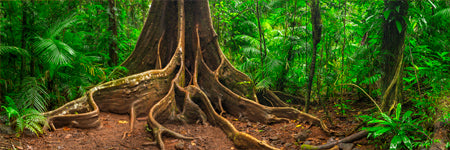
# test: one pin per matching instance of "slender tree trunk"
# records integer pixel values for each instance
(23, 40)
(260, 36)
(342, 54)
(33, 59)
(317, 31)
(393, 44)
(113, 48)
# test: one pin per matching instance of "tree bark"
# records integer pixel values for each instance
(316, 21)
(260, 36)
(393, 44)
(178, 74)
(23, 41)
(113, 48)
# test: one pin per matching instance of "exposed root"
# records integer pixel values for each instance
(170, 95)
(348, 139)
(221, 107)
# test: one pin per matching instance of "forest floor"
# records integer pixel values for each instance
(109, 136)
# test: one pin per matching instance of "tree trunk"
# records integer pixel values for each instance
(317, 32)
(260, 36)
(178, 74)
(23, 41)
(113, 48)
(393, 44)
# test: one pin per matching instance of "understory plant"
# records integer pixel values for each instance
(403, 131)
(21, 119)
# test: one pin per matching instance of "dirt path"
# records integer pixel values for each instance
(109, 136)
(283, 135)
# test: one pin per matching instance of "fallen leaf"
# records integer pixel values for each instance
(122, 121)
(299, 125)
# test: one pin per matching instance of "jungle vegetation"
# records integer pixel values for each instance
(394, 54)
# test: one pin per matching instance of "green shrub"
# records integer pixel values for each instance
(402, 130)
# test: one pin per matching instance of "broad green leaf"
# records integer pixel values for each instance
(386, 117)
(375, 128)
(396, 140)
(376, 121)
(417, 68)
(407, 141)
(399, 26)
(406, 116)
(398, 111)
(386, 14)
(381, 132)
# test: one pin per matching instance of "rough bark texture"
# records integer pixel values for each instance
(393, 44)
(113, 48)
(178, 74)
(316, 21)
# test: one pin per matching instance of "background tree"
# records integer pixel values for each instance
(393, 45)
(177, 62)
(113, 48)
(317, 33)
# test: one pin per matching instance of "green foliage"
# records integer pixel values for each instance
(401, 129)
(342, 107)
(51, 52)
(13, 50)
(32, 95)
(25, 118)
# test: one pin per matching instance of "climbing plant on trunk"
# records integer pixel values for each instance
(316, 21)
(393, 44)
(178, 74)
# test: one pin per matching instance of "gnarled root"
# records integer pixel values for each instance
(348, 139)
(197, 81)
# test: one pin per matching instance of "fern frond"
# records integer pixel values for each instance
(20, 125)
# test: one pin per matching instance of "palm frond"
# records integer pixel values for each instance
(248, 39)
(60, 25)
(33, 94)
(250, 64)
(251, 51)
(53, 51)
(13, 50)
(273, 66)
(444, 13)
(250, 26)
(264, 84)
